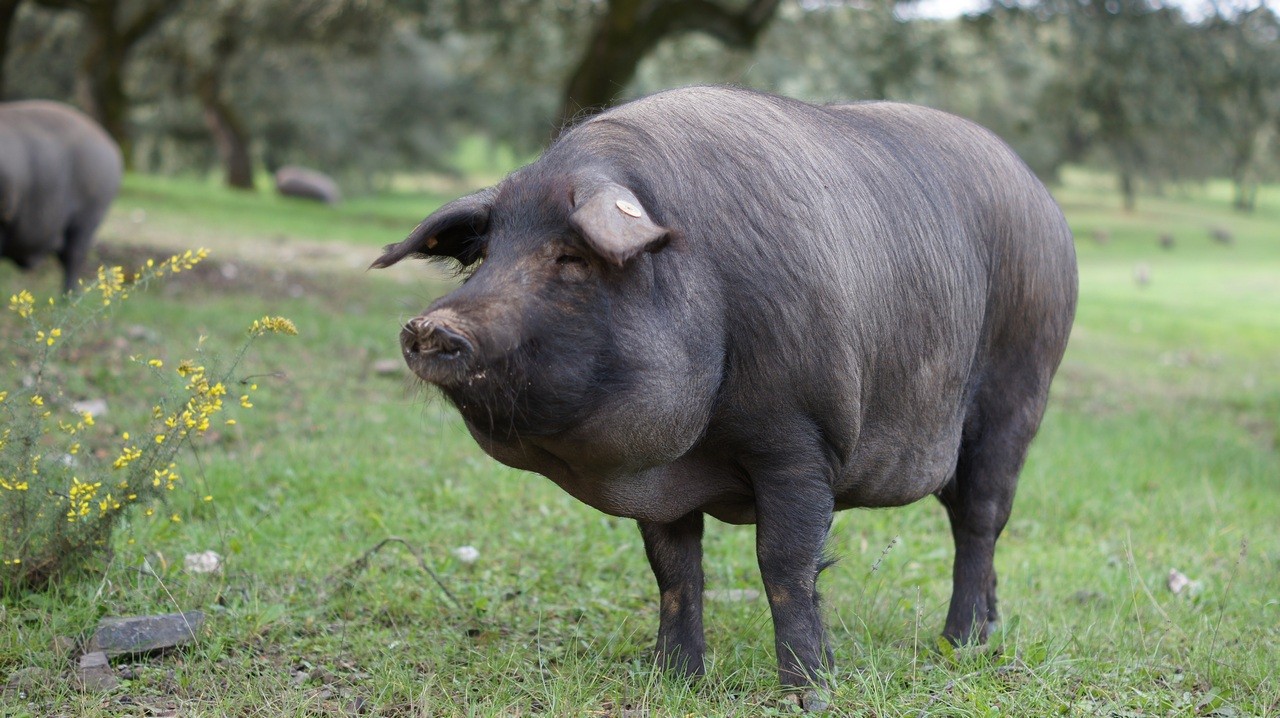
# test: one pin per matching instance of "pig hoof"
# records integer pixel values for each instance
(814, 701)
(811, 700)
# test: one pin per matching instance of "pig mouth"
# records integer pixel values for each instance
(438, 352)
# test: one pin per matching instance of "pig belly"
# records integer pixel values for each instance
(886, 471)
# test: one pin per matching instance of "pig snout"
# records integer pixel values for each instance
(436, 349)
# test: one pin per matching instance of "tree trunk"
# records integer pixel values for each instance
(1127, 189)
(100, 82)
(629, 29)
(8, 11)
(100, 85)
(228, 131)
(1245, 198)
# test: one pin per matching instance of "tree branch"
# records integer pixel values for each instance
(736, 29)
(146, 20)
(79, 5)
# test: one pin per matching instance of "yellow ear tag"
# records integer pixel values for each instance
(628, 208)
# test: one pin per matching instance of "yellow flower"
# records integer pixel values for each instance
(37, 400)
(175, 518)
(22, 303)
(276, 325)
(155, 363)
(129, 455)
(244, 401)
(3, 395)
(110, 283)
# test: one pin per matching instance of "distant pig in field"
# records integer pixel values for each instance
(306, 183)
(59, 172)
(714, 301)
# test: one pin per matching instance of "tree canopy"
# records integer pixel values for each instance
(367, 88)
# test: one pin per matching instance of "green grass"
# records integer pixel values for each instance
(1159, 452)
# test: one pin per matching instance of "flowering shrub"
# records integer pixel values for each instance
(59, 502)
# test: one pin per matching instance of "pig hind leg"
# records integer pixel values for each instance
(979, 498)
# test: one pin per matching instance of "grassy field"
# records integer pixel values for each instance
(1159, 452)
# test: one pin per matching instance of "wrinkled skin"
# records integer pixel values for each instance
(712, 301)
(59, 172)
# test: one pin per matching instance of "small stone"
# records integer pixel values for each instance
(1182, 585)
(732, 595)
(139, 332)
(92, 407)
(466, 554)
(30, 679)
(205, 562)
(143, 634)
(815, 701)
(388, 366)
(63, 646)
(95, 674)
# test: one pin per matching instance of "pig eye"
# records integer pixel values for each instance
(570, 259)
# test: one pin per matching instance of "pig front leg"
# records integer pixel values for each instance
(793, 517)
(675, 555)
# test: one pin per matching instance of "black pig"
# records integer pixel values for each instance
(59, 172)
(714, 301)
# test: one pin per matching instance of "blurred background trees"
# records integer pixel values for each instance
(366, 89)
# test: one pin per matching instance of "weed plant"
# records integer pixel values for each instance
(64, 486)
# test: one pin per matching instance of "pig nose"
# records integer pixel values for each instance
(428, 337)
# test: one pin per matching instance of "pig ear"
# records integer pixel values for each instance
(450, 231)
(615, 224)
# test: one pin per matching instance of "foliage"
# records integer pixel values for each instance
(1241, 76)
(64, 487)
(366, 89)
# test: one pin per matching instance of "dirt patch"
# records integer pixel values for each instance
(223, 275)
(270, 253)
